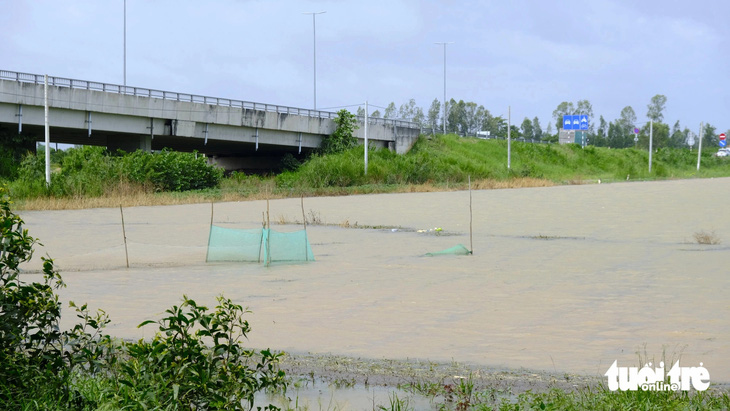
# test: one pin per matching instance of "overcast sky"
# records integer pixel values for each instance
(527, 54)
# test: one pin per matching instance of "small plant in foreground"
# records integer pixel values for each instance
(196, 360)
(38, 359)
(706, 238)
(397, 404)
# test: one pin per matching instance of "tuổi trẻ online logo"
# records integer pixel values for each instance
(654, 379)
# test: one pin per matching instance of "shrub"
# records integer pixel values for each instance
(13, 147)
(195, 361)
(171, 170)
(342, 139)
(37, 358)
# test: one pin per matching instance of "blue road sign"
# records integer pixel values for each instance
(575, 122)
(567, 122)
(583, 121)
(723, 143)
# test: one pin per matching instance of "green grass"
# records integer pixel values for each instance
(463, 396)
(451, 159)
(437, 164)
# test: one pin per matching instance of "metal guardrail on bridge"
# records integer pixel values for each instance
(191, 98)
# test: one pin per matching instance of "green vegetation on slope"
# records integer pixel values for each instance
(90, 171)
(89, 176)
(451, 159)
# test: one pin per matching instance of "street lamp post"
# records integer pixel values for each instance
(444, 44)
(314, 41)
(125, 46)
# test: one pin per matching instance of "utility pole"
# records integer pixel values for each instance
(509, 140)
(651, 141)
(47, 131)
(314, 42)
(444, 44)
(366, 137)
(125, 46)
(699, 149)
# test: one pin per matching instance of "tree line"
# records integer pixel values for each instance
(469, 118)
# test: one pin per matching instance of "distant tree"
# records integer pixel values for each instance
(689, 135)
(676, 128)
(563, 109)
(360, 112)
(656, 108)
(471, 121)
(585, 107)
(536, 129)
(433, 114)
(659, 136)
(549, 131)
(407, 110)
(479, 117)
(389, 111)
(515, 132)
(485, 117)
(375, 114)
(602, 128)
(456, 117)
(709, 136)
(617, 135)
(497, 126)
(600, 137)
(627, 120)
(418, 117)
(526, 129)
(677, 138)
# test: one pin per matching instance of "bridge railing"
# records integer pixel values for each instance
(191, 98)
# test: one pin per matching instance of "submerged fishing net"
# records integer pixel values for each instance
(455, 250)
(287, 247)
(258, 245)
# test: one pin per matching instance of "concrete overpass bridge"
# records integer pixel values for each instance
(235, 134)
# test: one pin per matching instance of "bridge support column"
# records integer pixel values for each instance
(130, 144)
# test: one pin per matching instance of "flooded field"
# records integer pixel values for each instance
(563, 279)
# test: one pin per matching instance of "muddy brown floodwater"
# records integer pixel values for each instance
(564, 279)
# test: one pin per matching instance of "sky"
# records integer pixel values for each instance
(527, 55)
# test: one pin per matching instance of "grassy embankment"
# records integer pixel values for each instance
(437, 164)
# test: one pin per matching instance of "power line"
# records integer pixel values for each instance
(351, 105)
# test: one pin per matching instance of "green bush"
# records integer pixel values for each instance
(91, 171)
(195, 361)
(13, 147)
(342, 139)
(171, 170)
(37, 358)
(86, 171)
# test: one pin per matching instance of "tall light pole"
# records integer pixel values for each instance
(125, 46)
(314, 41)
(444, 44)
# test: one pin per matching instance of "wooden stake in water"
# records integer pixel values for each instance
(304, 217)
(471, 240)
(210, 231)
(124, 234)
(304, 221)
(268, 236)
